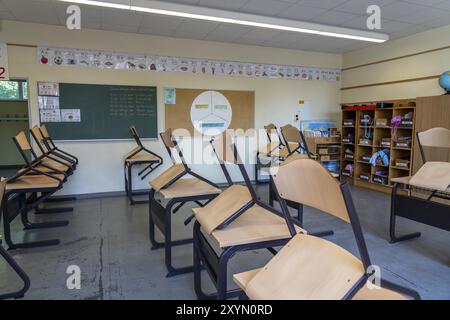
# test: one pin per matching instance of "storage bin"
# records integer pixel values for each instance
(382, 122)
(402, 163)
(349, 123)
(364, 176)
(380, 179)
(366, 142)
(386, 142)
(403, 144)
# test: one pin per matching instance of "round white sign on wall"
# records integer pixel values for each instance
(211, 113)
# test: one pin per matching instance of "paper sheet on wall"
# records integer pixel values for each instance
(170, 96)
(70, 115)
(48, 103)
(50, 115)
(48, 89)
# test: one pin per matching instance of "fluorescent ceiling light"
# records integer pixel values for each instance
(223, 16)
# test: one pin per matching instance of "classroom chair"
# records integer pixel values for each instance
(235, 221)
(308, 267)
(49, 153)
(427, 199)
(51, 146)
(46, 162)
(176, 192)
(138, 156)
(25, 191)
(296, 146)
(10, 261)
(273, 151)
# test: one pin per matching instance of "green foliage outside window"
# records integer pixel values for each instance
(13, 90)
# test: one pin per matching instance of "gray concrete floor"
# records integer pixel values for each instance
(108, 240)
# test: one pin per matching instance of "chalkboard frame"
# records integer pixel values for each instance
(151, 134)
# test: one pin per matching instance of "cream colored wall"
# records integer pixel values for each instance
(100, 167)
(429, 64)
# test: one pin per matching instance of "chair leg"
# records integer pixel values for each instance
(20, 272)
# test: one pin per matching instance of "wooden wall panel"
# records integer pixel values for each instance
(242, 102)
(431, 112)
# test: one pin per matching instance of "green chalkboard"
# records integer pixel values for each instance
(106, 112)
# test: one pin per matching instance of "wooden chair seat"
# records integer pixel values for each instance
(43, 169)
(56, 165)
(188, 188)
(254, 225)
(242, 279)
(222, 207)
(402, 180)
(128, 154)
(306, 268)
(143, 157)
(34, 182)
(167, 176)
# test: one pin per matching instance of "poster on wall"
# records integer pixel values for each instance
(50, 115)
(48, 89)
(170, 96)
(48, 103)
(140, 62)
(4, 68)
(70, 115)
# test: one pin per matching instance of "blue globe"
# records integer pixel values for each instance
(444, 81)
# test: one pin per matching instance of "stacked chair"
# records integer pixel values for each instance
(33, 185)
(427, 199)
(10, 261)
(234, 221)
(51, 147)
(296, 145)
(176, 192)
(273, 151)
(140, 155)
(308, 267)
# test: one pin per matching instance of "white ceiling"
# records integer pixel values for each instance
(400, 18)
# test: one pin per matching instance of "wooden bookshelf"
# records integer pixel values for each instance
(327, 151)
(377, 135)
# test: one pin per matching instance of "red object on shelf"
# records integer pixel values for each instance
(353, 107)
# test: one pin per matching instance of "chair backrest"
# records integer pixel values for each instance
(37, 134)
(135, 135)
(435, 137)
(38, 138)
(307, 182)
(22, 141)
(291, 134)
(167, 139)
(224, 148)
(2, 189)
(44, 131)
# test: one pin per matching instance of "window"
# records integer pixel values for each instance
(13, 90)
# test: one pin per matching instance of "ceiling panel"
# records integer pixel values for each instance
(360, 6)
(325, 4)
(300, 12)
(335, 17)
(234, 5)
(194, 29)
(265, 7)
(400, 18)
